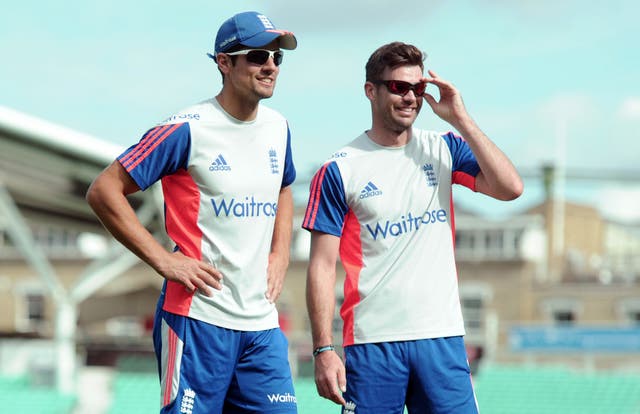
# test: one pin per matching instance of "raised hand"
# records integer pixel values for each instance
(450, 107)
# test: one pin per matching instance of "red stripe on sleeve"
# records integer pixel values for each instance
(144, 142)
(152, 147)
(314, 198)
(465, 179)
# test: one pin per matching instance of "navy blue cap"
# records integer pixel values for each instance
(251, 29)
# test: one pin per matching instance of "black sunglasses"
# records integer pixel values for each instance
(402, 88)
(260, 56)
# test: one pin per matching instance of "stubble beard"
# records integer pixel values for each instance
(398, 124)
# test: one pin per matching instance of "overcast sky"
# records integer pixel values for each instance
(530, 73)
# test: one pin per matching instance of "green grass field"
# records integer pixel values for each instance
(499, 389)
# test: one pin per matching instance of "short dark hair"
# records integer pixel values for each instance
(392, 55)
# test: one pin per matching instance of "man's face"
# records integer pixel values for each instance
(253, 81)
(395, 112)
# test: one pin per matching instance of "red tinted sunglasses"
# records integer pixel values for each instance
(402, 88)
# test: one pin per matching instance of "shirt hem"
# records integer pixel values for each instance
(249, 326)
(403, 337)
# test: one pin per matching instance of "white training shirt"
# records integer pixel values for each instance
(392, 209)
(221, 179)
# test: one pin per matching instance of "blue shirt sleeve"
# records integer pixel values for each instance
(162, 151)
(463, 159)
(327, 205)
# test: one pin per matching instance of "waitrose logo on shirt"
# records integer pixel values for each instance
(249, 207)
(406, 224)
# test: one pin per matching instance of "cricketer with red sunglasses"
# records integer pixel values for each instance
(384, 206)
(226, 168)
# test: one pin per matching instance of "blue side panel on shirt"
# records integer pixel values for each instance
(289, 175)
(463, 159)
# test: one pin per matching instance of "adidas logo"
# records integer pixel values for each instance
(219, 164)
(370, 190)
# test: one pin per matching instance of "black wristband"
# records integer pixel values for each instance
(322, 349)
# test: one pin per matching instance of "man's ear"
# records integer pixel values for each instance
(224, 62)
(370, 90)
